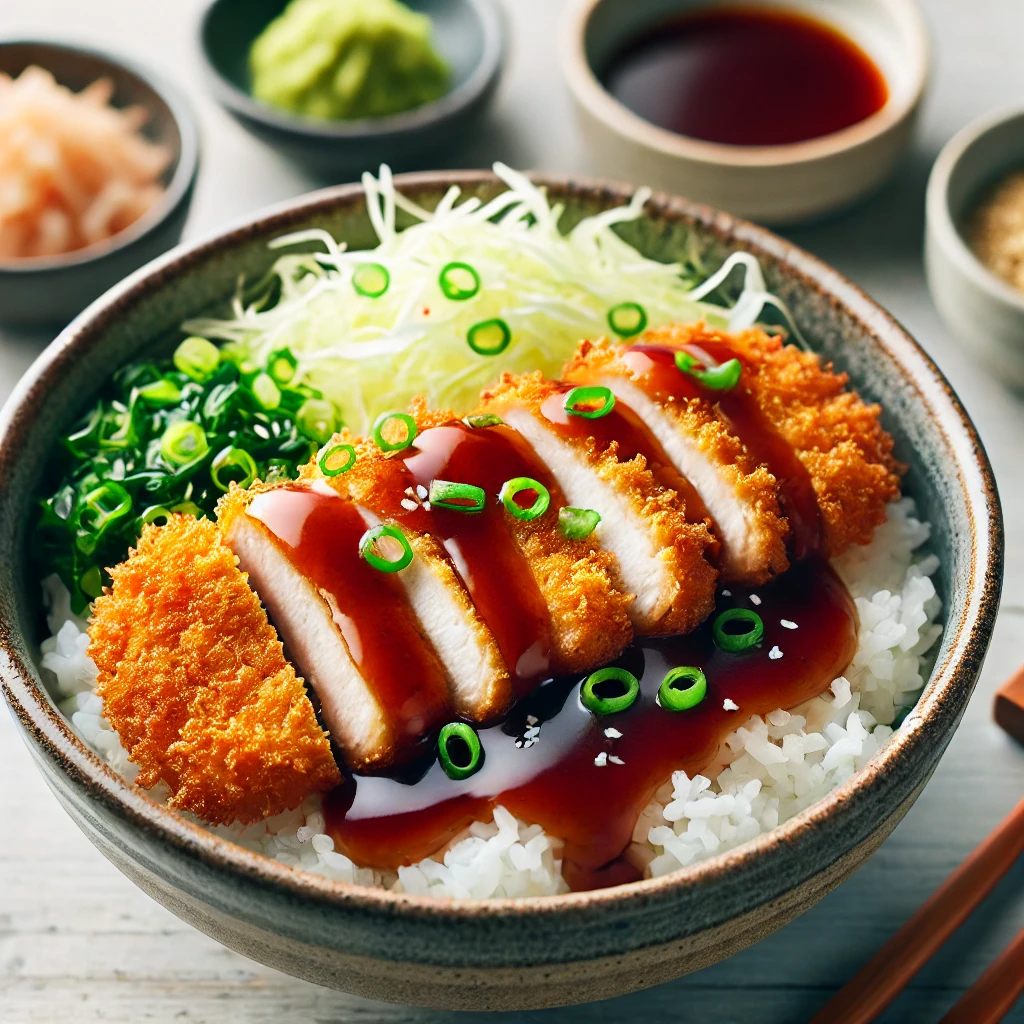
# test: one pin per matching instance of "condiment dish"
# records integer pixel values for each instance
(50, 290)
(541, 951)
(781, 184)
(469, 34)
(984, 311)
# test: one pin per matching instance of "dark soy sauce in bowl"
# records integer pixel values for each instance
(746, 77)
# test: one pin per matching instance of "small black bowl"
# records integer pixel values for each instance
(51, 290)
(468, 33)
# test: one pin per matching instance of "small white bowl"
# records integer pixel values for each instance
(982, 309)
(776, 184)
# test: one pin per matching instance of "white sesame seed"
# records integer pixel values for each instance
(787, 624)
(409, 504)
(775, 654)
(612, 733)
(410, 492)
(532, 719)
(726, 593)
(602, 759)
(615, 760)
(421, 491)
(754, 599)
(730, 705)
(426, 506)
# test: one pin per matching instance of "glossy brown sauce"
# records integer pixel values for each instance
(555, 781)
(623, 428)
(747, 77)
(658, 375)
(319, 533)
(482, 545)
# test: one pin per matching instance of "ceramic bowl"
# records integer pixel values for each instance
(773, 184)
(50, 290)
(469, 34)
(506, 954)
(983, 310)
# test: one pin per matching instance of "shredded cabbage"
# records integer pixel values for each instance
(370, 354)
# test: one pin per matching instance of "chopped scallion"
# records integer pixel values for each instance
(371, 280)
(282, 366)
(737, 629)
(386, 532)
(317, 419)
(609, 690)
(197, 358)
(489, 337)
(577, 523)
(457, 497)
(486, 419)
(682, 688)
(237, 462)
(517, 485)
(459, 281)
(627, 319)
(183, 442)
(160, 393)
(459, 750)
(589, 402)
(408, 434)
(267, 393)
(337, 459)
(718, 378)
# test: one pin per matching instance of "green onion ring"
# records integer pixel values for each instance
(383, 420)
(577, 402)
(489, 337)
(267, 393)
(593, 701)
(317, 419)
(371, 280)
(155, 512)
(735, 642)
(464, 736)
(718, 378)
(675, 698)
(188, 508)
(281, 366)
(233, 458)
(577, 523)
(369, 539)
(487, 419)
(328, 457)
(509, 490)
(91, 582)
(457, 497)
(197, 358)
(183, 442)
(454, 284)
(627, 319)
(160, 393)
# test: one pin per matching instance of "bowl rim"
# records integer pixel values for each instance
(588, 91)
(242, 103)
(939, 216)
(951, 678)
(177, 189)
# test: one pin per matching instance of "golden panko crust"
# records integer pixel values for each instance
(194, 680)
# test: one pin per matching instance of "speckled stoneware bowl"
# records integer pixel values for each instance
(506, 954)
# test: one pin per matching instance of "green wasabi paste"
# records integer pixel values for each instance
(347, 59)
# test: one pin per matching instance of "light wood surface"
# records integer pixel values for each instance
(79, 943)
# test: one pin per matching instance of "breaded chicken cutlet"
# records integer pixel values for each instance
(194, 680)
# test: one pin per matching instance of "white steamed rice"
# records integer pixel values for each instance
(768, 769)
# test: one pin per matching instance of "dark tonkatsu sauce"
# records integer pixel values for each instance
(319, 533)
(482, 545)
(747, 77)
(623, 428)
(555, 780)
(661, 379)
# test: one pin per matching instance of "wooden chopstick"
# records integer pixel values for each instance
(990, 998)
(871, 990)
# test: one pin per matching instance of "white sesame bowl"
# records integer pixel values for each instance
(984, 311)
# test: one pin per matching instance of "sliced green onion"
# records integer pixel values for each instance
(368, 543)
(489, 337)
(371, 280)
(457, 497)
(282, 366)
(610, 690)
(627, 319)
(197, 358)
(337, 459)
(156, 513)
(719, 378)
(459, 750)
(459, 281)
(92, 582)
(188, 508)
(582, 402)
(233, 459)
(102, 506)
(398, 417)
(577, 523)
(317, 420)
(182, 443)
(267, 393)
(487, 419)
(676, 697)
(749, 634)
(160, 393)
(517, 485)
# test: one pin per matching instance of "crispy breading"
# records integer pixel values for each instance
(764, 552)
(194, 680)
(838, 437)
(687, 582)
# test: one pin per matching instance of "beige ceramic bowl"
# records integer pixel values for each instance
(774, 184)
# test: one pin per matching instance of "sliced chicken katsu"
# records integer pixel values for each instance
(194, 680)
(348, 625)
(739, 491)
(606, 460)
(481, 687)
(548, 600)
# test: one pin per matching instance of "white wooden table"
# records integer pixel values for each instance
(79, 942)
